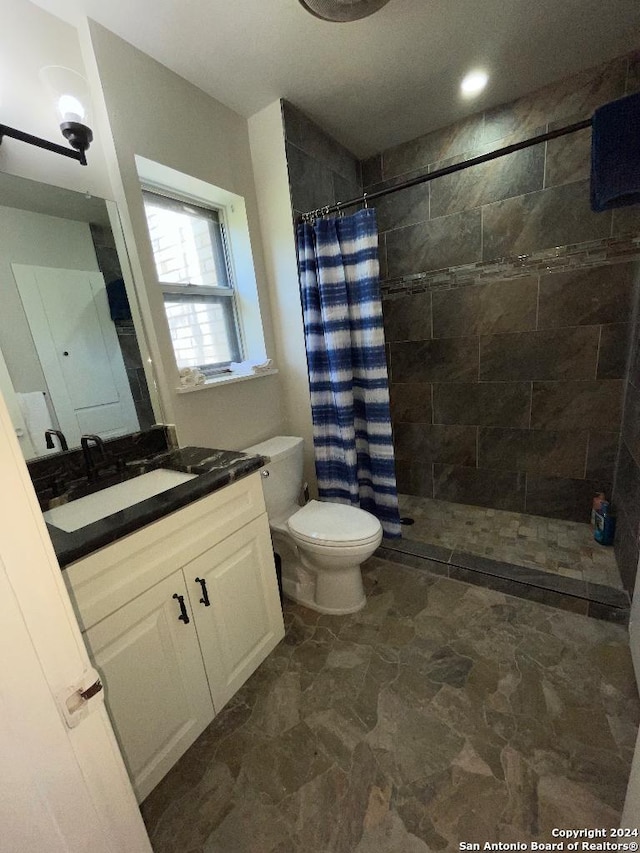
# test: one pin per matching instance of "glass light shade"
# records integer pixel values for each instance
(69, 93)
(70, 108)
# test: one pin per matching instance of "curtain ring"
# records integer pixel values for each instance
(339, 211)
(366, 204)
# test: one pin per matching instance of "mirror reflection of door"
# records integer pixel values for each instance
(68, 241)
(29, 449)
(69, 319)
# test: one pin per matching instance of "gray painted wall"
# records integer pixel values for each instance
(229, 416)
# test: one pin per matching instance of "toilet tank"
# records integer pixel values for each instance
(282, 486)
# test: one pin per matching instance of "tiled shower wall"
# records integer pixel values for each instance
(321, 171)
(507, 304)
(508, 394)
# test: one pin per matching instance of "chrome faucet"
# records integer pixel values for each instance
(48, 433)
(89, 462)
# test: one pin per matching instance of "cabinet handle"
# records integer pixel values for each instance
(183, 610)
(205, 595)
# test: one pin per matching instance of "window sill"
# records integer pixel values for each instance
(226, 379)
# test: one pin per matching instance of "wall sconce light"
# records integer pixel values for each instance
(70, 94)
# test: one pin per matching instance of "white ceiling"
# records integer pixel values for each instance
(378, 81)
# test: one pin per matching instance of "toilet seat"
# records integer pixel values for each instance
(332, 524)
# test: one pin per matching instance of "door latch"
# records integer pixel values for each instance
(74, 702)
(90, 692)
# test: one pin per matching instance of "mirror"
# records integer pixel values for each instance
(70, 356)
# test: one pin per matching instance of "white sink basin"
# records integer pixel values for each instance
(83, 511)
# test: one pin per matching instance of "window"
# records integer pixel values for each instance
(204, 260)
(193, 265)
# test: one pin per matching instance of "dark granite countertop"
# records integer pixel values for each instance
(216, 469)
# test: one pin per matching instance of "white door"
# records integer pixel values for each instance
(156, 687)
(242, 621)
(19, 425)
(68, 314)
(63, 790)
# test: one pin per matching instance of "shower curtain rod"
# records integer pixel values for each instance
(447, 170)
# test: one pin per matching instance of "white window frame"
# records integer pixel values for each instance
(202, 290)
(162, 179)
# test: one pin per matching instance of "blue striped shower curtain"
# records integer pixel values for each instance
(338, 261)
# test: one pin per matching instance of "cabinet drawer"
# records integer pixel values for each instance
(107, 579)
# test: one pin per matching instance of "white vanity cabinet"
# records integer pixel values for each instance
(233, 599)
(210, 563)
(155, 684)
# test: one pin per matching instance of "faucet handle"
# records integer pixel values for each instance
(87, 438)
(85, 441)
(48, 439)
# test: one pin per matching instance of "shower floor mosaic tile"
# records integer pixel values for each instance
(441, 713)
(561, 547)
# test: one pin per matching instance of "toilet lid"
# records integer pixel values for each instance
(322, 521)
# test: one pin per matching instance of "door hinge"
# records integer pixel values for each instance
(74, 702)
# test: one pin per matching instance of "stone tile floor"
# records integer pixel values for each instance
(442, 712)
(553, 545)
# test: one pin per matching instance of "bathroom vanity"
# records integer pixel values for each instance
(179, 602)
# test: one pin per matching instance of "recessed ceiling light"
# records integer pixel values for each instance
(474, 83)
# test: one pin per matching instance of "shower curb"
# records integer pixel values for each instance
(576, 596)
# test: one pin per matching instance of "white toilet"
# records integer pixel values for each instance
(322, 545)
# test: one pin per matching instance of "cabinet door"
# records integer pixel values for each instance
(155, 683)
(242, 622)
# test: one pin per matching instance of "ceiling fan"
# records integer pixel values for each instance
(342, 10)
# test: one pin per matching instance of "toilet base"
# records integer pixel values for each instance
(296, 593)
(338, 590)
(302, 584)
